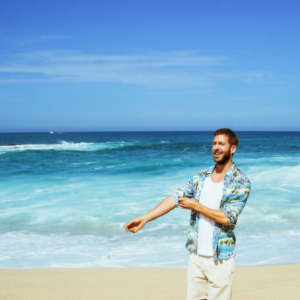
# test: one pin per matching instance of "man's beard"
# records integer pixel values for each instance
(225, 159)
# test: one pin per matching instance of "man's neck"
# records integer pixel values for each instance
(221, 169)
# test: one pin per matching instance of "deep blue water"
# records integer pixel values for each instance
(65, 197)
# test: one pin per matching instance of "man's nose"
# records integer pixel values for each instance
(216, 147)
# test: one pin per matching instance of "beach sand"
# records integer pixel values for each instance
(260, 282)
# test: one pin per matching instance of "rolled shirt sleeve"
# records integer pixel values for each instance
(189, 190)
(233, 208)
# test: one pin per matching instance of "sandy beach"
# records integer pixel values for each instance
(259, 282)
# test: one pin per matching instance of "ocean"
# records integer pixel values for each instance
(65, 197)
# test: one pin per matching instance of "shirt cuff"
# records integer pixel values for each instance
(175, 197)
(229, 214)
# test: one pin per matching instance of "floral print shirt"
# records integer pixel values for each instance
(235, 194)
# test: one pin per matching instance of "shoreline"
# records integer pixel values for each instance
(143, 283)
(147, 267)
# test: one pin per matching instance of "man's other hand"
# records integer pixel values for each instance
(135, 224)
(187, 203)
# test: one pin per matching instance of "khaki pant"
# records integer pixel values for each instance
(208, 278)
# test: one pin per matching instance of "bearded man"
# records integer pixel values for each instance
(216, 197)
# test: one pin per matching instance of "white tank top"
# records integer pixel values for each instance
(211, 196)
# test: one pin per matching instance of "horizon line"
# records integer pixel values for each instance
(94, 131)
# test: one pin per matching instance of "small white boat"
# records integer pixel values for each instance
(51, 132)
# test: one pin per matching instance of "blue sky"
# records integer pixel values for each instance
(149, 65)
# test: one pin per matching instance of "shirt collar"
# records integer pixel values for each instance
(229, 173)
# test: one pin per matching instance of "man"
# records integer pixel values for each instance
(216, 197)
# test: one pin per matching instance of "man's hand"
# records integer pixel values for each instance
(187, 203)
(135, 224)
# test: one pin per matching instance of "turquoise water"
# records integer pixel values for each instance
(65, 197)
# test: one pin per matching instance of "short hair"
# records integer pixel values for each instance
(232, 137)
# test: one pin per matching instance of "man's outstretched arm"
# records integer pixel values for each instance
(161, 209)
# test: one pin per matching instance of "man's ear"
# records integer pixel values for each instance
(233, 149)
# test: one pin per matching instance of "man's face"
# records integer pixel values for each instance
(221, 149)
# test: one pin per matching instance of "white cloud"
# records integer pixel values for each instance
(163, 69)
